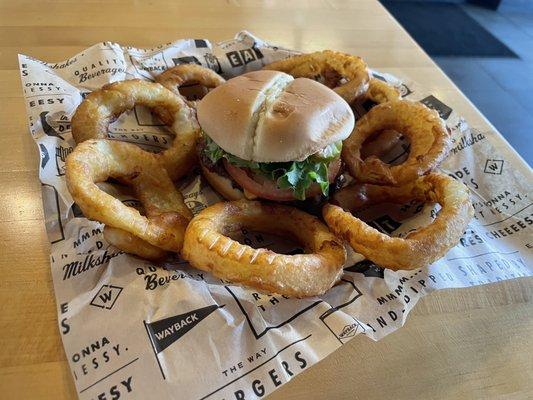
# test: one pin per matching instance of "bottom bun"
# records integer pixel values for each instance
(222, 184)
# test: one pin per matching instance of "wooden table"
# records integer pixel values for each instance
(469, 343)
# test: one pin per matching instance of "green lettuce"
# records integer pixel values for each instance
(296, 175)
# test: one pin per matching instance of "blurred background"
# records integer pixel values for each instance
(486, 48)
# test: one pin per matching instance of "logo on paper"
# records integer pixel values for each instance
(106, 297)
(243, 57)
(61, 158)
(367, 268)
(212, 62)
(494, 167)
(47, 128)
(404, 90)
(195, 206)
(166, 331)
(200, 43)
(186, 60)
(338, 297)
(349, 331)
(434, 103)
(45, 157)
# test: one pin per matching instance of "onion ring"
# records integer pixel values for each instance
(208, 248)
(417, 249)
(381, 92)
(180, 75)
(97, 160)
(380, 145)
(93, 116)
(129, 243)
(430, 142)
(332, 67)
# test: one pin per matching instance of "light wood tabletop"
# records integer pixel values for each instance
(463, 343)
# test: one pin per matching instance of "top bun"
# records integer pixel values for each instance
(268, 116)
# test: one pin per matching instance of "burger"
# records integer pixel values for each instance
(267, 135)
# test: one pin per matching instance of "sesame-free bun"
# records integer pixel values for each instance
(267, 116)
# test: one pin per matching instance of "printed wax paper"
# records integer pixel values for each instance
(137, 330)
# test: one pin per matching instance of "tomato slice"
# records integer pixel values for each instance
(267, 189)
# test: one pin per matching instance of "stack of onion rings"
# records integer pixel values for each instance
(184, 74)
(417, 249)
(330, 67)
(166, 214)
(207, 247)
(430, 143)
(92, 118)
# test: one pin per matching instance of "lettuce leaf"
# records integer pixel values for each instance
(296, 175)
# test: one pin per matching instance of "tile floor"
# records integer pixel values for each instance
(501, 88)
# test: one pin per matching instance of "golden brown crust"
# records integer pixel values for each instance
(175, 77)
(430, 142)
(208, 248)
(331, 66)
(381, 92)
(417, 249)
(93, 116)
(95, 161)
(131, 244)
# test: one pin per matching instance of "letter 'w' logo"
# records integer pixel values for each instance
(494, 167)
(106, 296)
(166, 331)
